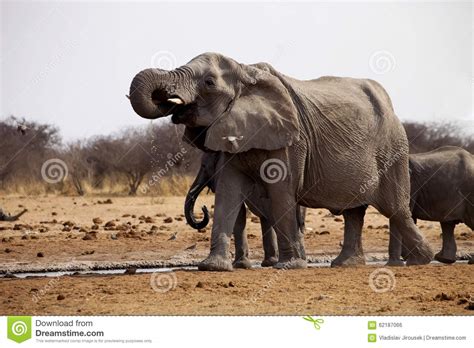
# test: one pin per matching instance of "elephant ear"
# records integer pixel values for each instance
(262, 116)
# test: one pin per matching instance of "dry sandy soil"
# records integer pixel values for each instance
(59, 233)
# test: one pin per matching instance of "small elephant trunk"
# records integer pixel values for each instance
(193, 193)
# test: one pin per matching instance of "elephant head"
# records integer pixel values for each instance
(205, 178)
(226, 106)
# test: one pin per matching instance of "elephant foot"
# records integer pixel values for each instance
(270, 262)
(395, 263)
(445, 257)
(420, 255)
(242, 263)
(215, 263)
(345, 260)
(291, 264)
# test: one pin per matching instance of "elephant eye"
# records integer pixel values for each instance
(209, 82)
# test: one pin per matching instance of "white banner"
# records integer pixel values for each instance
(237, 331)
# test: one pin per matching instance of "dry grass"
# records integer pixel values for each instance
(174, 185)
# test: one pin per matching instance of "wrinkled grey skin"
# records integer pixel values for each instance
(258, 204)
(8, 217)
(442, 189)
(331, 134)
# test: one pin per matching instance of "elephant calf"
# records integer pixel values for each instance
(442, 189)
(258, 204)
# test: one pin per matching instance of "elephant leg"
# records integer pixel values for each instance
(291, 253)
(270, 246)
(241, 242)
(396, 248)
(230, 196)
(448, 250)
(352, 253)
(402, 228)
(405, 252)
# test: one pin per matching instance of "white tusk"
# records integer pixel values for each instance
(175, 101)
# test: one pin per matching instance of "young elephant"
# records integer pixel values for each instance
(442, 189)
(258, 204)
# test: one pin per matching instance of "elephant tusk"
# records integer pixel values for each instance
(175, 100)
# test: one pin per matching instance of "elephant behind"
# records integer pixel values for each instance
(442, 189)
(257, 203)
(330, 137)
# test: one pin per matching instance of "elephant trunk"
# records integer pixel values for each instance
(4, 217)
(196, 188)
(155, 93)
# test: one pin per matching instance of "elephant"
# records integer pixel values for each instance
(310, 142)
(257, 203)
(441, 189)
(8, 217)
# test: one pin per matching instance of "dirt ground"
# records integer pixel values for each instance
(99, 232)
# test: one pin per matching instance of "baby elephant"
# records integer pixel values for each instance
(442, 189)
(257, 202)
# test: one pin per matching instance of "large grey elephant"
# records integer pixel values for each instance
(257, 202)
(442, 189)
(328, 137)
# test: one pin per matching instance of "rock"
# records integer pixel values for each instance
(324, 232)
(82, 229)
(130, 270)
(88, 252)
(231, 284)
(94, 227)
(149, 220)
(97, 221)
(54, 213)
(61, 297)
(202, 230)
(113, 236)
(178, 218)
(8, 250)
(470, 306)
(40, 254)
(110, 224)
(443, 297)
(90, 236)
(192, 247)
(168, 220)
(66, 229)
(200, 285)
(126, 215)
(68, 223)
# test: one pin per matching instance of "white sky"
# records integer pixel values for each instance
(71, 64)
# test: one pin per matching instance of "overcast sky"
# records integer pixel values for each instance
(71, 64)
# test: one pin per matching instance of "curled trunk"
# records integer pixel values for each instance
(5, 217)
(191, 198)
